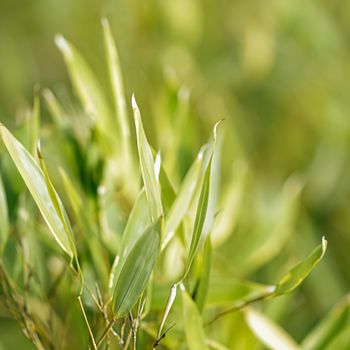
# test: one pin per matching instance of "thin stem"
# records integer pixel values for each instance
(87, 323)
(238, 307)
(127, 340)
(103, 336)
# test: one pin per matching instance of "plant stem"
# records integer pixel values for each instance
(238, 307)
(110, 325)
(87, 323)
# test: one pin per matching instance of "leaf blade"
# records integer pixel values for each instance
(137, 269)
(35, 182)
(149, 177)
(268, 332)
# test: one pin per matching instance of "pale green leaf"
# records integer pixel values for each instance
(138, 219)
(297, 274)
(203, 286)
(231, 291)
(4, 218)
(201, 210)
(150, 181)
(182, 201)
(268, 332)
(86, 86)
(137, 269)
(115, 75)
(35, 181)
(192, 322)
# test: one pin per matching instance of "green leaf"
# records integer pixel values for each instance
(4, 218)
(192, 322)
(183, 199)
(329, 327)
(115, 75)
(138, 219)
(269, 333)
(54, 107)
(36, 183)
(137, 269)
(296, 275)
(86, 86)
(150, 180)
(203, 287)
(235, 292)
(201, 210)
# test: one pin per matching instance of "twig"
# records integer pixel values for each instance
(238, 307)
(87, 323)
(103, 336)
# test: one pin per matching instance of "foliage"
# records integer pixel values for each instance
(131, 225)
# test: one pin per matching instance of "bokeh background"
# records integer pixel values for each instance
(277, 70)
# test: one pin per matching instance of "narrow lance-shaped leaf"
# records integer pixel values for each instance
(54, 107)
(183, 199)
(138, 219)
(297, 274)
(35, 181)
(4, 218)
(151, 184)
(117, 88)
(269, 333)
(137, 269)
(192, 322)
(34, 122)
(329, 327)
(86, 85)
(203, 286)
(56, 201)
(201, 210)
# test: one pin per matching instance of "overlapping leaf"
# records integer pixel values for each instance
(137, 269)
(34, 178)
(268, 332)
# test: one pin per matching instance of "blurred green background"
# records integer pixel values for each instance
(277, 70)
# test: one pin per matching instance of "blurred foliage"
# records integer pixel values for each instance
(276, 70)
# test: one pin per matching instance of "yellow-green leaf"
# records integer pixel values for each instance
(150, 181)
(268, 332)
(192, 322)
(138, 219)
(183, 199)
(298, 273)
(201, 210)
(4, 218)
(137, 269)
(86, 85)
(203, 286)
(35, 181)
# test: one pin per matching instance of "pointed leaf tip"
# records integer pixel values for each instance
(133, 102)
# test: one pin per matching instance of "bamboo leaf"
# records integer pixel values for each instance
(137, 269)
(36, 183)
(150, 181)
(138, 219)
(193, 324)
(86, 85)
(4, 218)
(269, 333)
(236, 292)
(183, 199)
(203, 287)
(297, 274)
(201, 210)
(115, 75)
